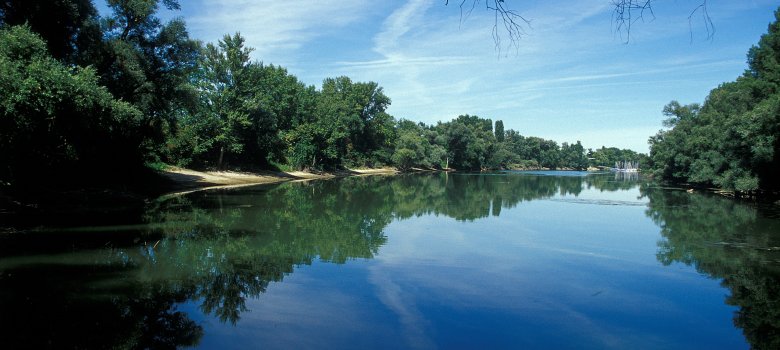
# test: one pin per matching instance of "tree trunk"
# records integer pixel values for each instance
(221, 155)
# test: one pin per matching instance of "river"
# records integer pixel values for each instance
(564, 260)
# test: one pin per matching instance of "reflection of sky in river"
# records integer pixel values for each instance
(566, 272)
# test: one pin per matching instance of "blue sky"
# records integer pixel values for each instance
(572, 77)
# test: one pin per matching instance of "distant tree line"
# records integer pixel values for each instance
(83, 94)
(608, 156)
(731, 140)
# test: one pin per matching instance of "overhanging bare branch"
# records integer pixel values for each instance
(507, 23)
(705, 16)
(627, 12)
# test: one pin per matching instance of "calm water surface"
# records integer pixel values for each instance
(506, 260)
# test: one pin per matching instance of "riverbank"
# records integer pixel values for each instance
(188, 180)
(58, 203)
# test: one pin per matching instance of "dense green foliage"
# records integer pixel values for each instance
(69, 119)
(127, 89)
(53, 118)
(70, 28)
(731, 141)
(149, 64)
(608, 156)
(471, 143)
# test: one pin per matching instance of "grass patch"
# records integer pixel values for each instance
(158, 166)
(280, 167)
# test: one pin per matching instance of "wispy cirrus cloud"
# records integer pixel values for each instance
(397, 61)
(398, 24)
(274, 28)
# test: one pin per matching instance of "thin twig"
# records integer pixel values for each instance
(628, 12)
(705, 14)
(512, 22)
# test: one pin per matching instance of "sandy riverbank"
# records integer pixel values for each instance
(187, 180)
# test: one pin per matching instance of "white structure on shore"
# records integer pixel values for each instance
(626, 167)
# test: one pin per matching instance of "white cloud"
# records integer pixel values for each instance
(274, 28)
(399, 23)
(414, 325)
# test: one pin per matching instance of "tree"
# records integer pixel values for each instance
(307, 146)
(359, 131)
(501, 157)
(676, 113)
(573, 156)
(608, 156)
(413, 148)
(550, 156)
(731, 141)
(499, 131)
(285, 103)
(57, 119)
(227, 104)
(469, 142)
(69, 27)
(149, 64)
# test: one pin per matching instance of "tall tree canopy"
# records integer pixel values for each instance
(69, 27)
(227, 103)
(148, 63)
(358, 128)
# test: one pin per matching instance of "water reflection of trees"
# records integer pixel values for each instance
(472, 196)
(613, 181)
(82, 306)
(731, 241)
(219, 248)
(229, 245)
